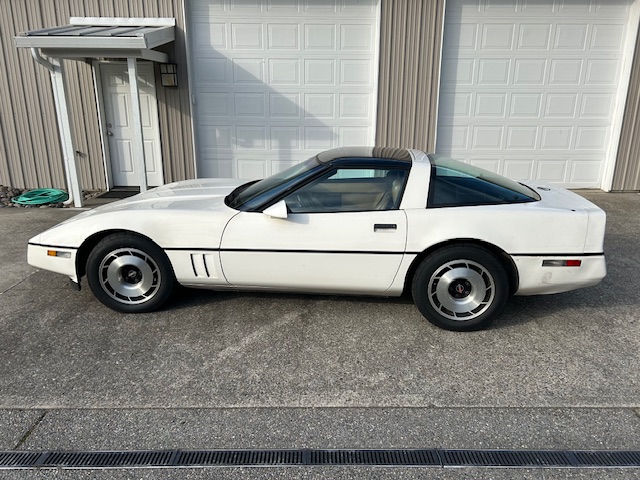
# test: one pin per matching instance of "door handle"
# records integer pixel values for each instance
(384, 226)
(110, 134)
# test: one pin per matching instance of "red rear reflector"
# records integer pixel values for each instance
(561, 263)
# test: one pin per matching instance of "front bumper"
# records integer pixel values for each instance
(65, 263)
(537, 280)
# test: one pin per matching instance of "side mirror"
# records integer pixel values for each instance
(277, 210)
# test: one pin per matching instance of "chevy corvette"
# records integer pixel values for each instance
(355, 220)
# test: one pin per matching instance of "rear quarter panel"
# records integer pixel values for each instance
(517, 229)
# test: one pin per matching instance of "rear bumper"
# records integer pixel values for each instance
(37, 255)
(537, 280)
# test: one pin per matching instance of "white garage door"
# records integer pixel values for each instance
(529, 87)
(278, 81)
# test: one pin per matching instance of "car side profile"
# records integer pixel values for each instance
(355, 220)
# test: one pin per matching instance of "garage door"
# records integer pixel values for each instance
(278, 81)
(529, 87)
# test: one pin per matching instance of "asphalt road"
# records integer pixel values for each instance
(244, 370)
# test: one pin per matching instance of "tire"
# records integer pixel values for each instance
(460, 288)
(130, 274)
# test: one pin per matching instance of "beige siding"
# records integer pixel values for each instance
(410, 44)
(627, 172)
(27, 143)
(30, 153)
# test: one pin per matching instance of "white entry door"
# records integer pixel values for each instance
(117, 112)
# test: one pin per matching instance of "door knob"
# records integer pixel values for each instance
(110, 134)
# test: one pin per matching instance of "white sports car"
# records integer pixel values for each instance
(371, 221)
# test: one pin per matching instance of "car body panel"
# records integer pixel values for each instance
(355, 252)
(417, 189)
(536, 279)
(65, 264)
(180, 205)
(521, 229)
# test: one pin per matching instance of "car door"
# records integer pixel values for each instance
(342, 233)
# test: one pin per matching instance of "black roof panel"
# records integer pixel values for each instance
(390, 153)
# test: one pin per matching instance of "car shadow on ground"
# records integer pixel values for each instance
(195, 297)
(518, 310)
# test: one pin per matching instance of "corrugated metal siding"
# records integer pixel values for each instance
(30, 153)
(410, 45)
(627, 172)
(27, 142)
(175, 105)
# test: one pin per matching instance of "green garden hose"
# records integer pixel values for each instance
(41, 196)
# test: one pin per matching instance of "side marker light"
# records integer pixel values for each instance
(561, 263)
(57, 253)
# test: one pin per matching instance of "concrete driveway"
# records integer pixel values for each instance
(238, 370)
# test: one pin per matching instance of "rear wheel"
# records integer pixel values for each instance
(129, 273)
(461, 288)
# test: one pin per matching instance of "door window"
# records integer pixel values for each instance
(350, 190)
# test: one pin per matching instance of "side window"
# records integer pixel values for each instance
(453, 187)
(350, 190)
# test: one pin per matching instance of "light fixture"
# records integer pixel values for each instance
(169, 74)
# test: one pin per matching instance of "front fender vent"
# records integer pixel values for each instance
(204, 265)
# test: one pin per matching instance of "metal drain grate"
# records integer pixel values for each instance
(374, 457)
(18, 459)
(108, 459)
(211, 458)
(309, 457)
(506, 458)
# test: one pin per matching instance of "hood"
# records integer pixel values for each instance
(202, 185)
(202, 194)
(202, 188)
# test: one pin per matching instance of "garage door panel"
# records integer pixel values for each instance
(283, 36)
(213, 72)
(518, 169)
(355, 136)
(611, 8)
(555, 168)
(297, 76)
(535, 36)
(532, 76)
(525, 105)
(560, 105)
(595, 105)
(284, 106)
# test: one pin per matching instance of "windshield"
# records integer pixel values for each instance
(253, 194)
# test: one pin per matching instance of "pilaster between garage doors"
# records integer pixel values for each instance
(410, 51)
(627, 172)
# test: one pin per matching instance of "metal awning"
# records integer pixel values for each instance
(103, 37)
(98, 37)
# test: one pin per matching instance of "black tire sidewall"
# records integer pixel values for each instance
(440, 257)
(128, 240)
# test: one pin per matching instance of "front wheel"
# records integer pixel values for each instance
(461, 288)
(130, 274)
